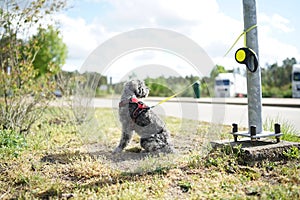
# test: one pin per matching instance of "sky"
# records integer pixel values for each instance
(212, 24)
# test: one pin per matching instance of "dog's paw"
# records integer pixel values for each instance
(117, 150)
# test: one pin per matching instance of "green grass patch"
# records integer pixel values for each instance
(64, 160)
(11, 143)
(288, 130)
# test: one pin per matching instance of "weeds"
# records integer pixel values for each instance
(288, 130)
(195, 161)
(11, 143)
(54, 164)
(184, 186)
(292, 153)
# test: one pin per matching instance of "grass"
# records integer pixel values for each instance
(61, 161)
(288, 130)
(11, 143)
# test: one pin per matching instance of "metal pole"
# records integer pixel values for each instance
(253, 79)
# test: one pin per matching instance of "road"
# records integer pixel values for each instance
(221, 111)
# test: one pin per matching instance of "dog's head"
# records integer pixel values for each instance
(138, 87)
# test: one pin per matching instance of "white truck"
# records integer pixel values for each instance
(296, 81)
(230, 85)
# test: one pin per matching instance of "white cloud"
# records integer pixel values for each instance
(169, 61)
(273, 49)
(81, 38)
(200, 20)
(78, 35)
(200, 10)
(276, 21)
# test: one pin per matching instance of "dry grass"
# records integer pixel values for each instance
(63, 161)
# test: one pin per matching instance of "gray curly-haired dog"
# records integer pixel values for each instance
(136, 116)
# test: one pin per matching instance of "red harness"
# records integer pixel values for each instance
(140, 107)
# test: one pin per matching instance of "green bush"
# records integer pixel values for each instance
(27, 63)
(11, 143)
(292, 153)
(277, 92)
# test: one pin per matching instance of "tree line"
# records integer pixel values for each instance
(277, 79)
(276, 82)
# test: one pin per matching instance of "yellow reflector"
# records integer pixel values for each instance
(240, 55)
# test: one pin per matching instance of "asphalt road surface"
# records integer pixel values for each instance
(221, 111)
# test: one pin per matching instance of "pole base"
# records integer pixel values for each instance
(252, 153)
(256, 136)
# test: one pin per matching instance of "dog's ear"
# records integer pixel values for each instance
(131, 86)
(141, 83)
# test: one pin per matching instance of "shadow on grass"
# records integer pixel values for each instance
(132, 154)
(63, 158)
(124, 161)
(130, 167)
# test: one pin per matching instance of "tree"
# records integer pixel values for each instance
(50, 53)
(276, 80)
(24, 95)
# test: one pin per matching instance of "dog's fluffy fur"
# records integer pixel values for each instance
(152, 130)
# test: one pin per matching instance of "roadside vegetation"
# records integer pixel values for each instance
(276, 82)
(61, 148)
(57, 161)
(275, 78)
(28, 62)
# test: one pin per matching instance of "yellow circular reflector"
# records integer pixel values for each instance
(240, 55)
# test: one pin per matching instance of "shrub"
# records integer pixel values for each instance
(25, 93)
(11, 143)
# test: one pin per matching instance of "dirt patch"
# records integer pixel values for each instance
(134, 159)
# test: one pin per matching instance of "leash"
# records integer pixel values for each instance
(198, 81)
(176, 94)
(239, 37)
(245, 55)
